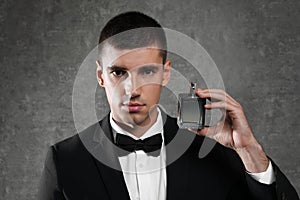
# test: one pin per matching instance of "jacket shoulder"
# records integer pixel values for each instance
(73, 144)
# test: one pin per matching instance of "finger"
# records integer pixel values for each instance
(202, 132)
(217, 91)
(219, 97)
(233, 112)
(221, 105)
(207, 131)
(219, 94)
(213, 96)
(198, 91)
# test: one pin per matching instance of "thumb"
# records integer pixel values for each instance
(202, 132)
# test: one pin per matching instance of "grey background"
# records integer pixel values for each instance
(255, 44)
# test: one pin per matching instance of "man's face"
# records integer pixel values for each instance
(133, 79)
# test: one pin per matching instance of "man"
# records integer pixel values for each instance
(135, 152)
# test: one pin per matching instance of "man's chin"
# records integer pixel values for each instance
(138, 119)
(134, 119)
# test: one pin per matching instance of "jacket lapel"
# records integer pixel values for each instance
(107, 161)
(176, 141)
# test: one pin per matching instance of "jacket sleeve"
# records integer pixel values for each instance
(284, 189)
(50, 188)
(281, 189)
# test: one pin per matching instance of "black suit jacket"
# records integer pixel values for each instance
(73, 170)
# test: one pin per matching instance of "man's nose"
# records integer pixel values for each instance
(132, 85)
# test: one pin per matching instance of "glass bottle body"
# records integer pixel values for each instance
(191, 111)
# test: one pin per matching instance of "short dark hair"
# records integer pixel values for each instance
(144, 31)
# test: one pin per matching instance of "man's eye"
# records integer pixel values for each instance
(118, 73)
(148, 72)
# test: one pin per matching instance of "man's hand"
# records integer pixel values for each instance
(233, 130)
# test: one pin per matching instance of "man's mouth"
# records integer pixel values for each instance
(133, 106)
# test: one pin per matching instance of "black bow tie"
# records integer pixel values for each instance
(148, 145)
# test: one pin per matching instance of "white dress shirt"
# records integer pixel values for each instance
(266, 177)
(145, 175)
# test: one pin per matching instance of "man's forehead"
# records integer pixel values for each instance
(130, 57)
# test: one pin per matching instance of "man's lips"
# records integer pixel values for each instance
(133, 106)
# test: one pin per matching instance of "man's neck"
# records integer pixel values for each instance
(139, 130)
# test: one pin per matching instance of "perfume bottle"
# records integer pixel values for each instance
(191, 111)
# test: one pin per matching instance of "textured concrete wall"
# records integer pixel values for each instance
(255, 44)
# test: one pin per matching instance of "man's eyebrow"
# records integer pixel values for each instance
(152, 65)
(116, 67)
(149, 67)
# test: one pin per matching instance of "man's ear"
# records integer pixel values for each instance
(99, 73)
(167, 73)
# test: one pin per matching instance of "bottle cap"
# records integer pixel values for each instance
(193, 88)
